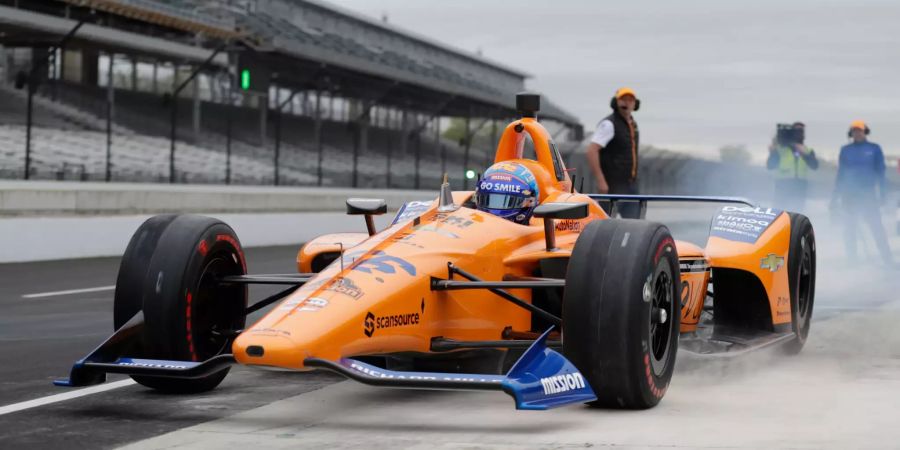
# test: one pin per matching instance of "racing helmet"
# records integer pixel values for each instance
(508, 190)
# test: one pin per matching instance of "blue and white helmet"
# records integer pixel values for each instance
(508, 190)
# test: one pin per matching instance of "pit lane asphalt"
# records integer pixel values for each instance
(40, 338)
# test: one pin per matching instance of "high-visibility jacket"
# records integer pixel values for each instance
(792, 164)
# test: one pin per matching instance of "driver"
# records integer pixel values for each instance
(508, 190)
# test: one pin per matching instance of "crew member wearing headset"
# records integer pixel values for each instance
(613, 151)
(860, 189)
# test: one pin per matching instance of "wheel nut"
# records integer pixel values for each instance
(660, 315)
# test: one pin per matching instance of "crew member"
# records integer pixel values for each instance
(860, 189)
(613, 151)
(792, 160)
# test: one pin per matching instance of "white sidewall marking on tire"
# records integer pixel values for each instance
(159, 280)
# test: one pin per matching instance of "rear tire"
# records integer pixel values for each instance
(184, 307)
(621, 311)
(801, 279)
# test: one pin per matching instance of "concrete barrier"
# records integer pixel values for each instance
(25, 238)
(41, 198)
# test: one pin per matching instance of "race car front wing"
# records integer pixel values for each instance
(541, 378)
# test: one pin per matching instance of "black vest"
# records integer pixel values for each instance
(619, 157)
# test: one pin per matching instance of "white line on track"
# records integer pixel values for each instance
(70, 291)
(15, 407)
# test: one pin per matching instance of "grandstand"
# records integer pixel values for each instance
(292, 92)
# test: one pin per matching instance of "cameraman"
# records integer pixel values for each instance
(792, 160)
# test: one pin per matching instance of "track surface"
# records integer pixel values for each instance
(836, 393)
(41, 337)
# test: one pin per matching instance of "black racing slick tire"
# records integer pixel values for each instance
(128, 298)
(188, 314)
(621, 314)
(801, 279)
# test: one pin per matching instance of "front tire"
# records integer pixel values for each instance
(188, 314)
(801, 279)
(621, 311)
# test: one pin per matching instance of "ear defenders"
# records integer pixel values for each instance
(614, 105)
(850, 131)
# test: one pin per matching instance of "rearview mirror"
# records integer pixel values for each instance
(561, 211)
(368, 207)
(550, 211)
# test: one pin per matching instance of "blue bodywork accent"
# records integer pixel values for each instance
(543, 379)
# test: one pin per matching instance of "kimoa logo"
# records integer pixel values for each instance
(562, 383)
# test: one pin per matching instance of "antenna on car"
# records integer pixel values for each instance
(446, 198)
(581, 186)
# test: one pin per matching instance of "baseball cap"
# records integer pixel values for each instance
(625, 91)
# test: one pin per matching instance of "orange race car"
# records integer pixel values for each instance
(524, 286)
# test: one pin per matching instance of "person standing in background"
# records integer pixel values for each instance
(860, 189)
(613, 151)
(792, 160)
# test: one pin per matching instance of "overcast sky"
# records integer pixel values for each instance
(709, 73)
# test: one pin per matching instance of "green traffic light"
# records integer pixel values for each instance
(470, 174)
(245, 79)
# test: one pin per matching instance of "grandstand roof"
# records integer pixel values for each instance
(304, 38)
(317, 31)
(28, 27)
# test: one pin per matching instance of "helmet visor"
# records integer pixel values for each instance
(499, 201)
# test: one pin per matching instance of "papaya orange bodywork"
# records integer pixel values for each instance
(376, 298)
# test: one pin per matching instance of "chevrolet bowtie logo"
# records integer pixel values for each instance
(772, 262)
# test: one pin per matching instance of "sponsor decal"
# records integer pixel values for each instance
(377, 373)
(510, 170)
(500, 187)
(311, 304)
(433, 228)
(373, 323)
(381, 262)
(271, 332)
(500, 177)
(772, 262)
(562, 383)
(345, 286)
(693, 265)
(742, 223)
(568, 225)
(411, 210)
(152, 365)
(456, 221)
(783, 301)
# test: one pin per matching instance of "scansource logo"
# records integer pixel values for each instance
(373, 322)
(562, 383)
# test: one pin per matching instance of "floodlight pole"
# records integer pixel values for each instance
(110, 92)
(278, 131)
(32, 84)
(175, 93)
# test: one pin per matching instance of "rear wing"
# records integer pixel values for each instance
(614, 199)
